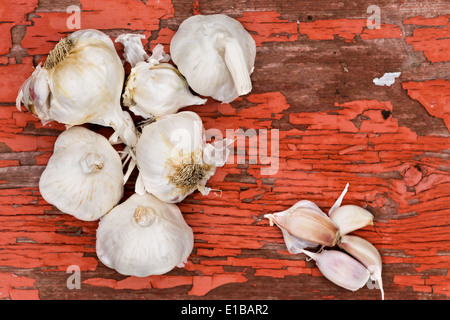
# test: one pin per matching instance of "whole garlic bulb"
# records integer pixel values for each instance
(174, 159)
(80, 82)
(154, 87)
(215, 54)
(144, 236)
(83, 176)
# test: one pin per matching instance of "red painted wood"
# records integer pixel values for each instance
(313, 81)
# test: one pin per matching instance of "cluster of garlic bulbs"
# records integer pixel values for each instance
(81, 82)
(306, 226)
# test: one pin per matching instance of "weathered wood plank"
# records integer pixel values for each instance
(313, 81)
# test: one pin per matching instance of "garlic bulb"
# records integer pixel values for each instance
(80, 82)
(144, 236)
(304, 225)
(83, 176)
(215, 54)
(173, 158)
(154, 87)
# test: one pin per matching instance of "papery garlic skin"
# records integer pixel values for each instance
(367, 254)
(215, 54)
(170, 158)
(144, 236)
(154, 87)
(340, 268)
(80, 82)
(34, 94)
(83, 176)
(350, 218)
(305, 225)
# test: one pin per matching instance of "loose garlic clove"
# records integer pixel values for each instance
(154, 87)
(144, 236)
(83, 176)
(367, 254)
(307, 222)
(349, 218)
(340, 268)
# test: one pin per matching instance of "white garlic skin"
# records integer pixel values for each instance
(34, 94)
(88, 81)
(200, 49)
(154, 91)
(84, 176)
(164, 146)
(153, 243)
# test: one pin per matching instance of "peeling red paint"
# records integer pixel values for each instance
(268, 27)
(201, 285)
(347, 29)
(49, 27)
(17, 287)
(10, 18)
(433, 40)
(135, 283)
(435, 21)
(434, 95)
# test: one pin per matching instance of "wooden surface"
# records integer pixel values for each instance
(313, 81)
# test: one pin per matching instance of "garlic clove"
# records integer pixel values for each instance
(349, 218)
(157, 91)
(34, 94)
(340, 268)
(144, 236)
(83, 176)
(367, 254)
(306, 222)
(154, 87)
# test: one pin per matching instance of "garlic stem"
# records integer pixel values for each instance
(312, 255)
(91, 163)
(144, 216)
(235, 61)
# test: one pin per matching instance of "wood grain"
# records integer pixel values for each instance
(313, 81)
